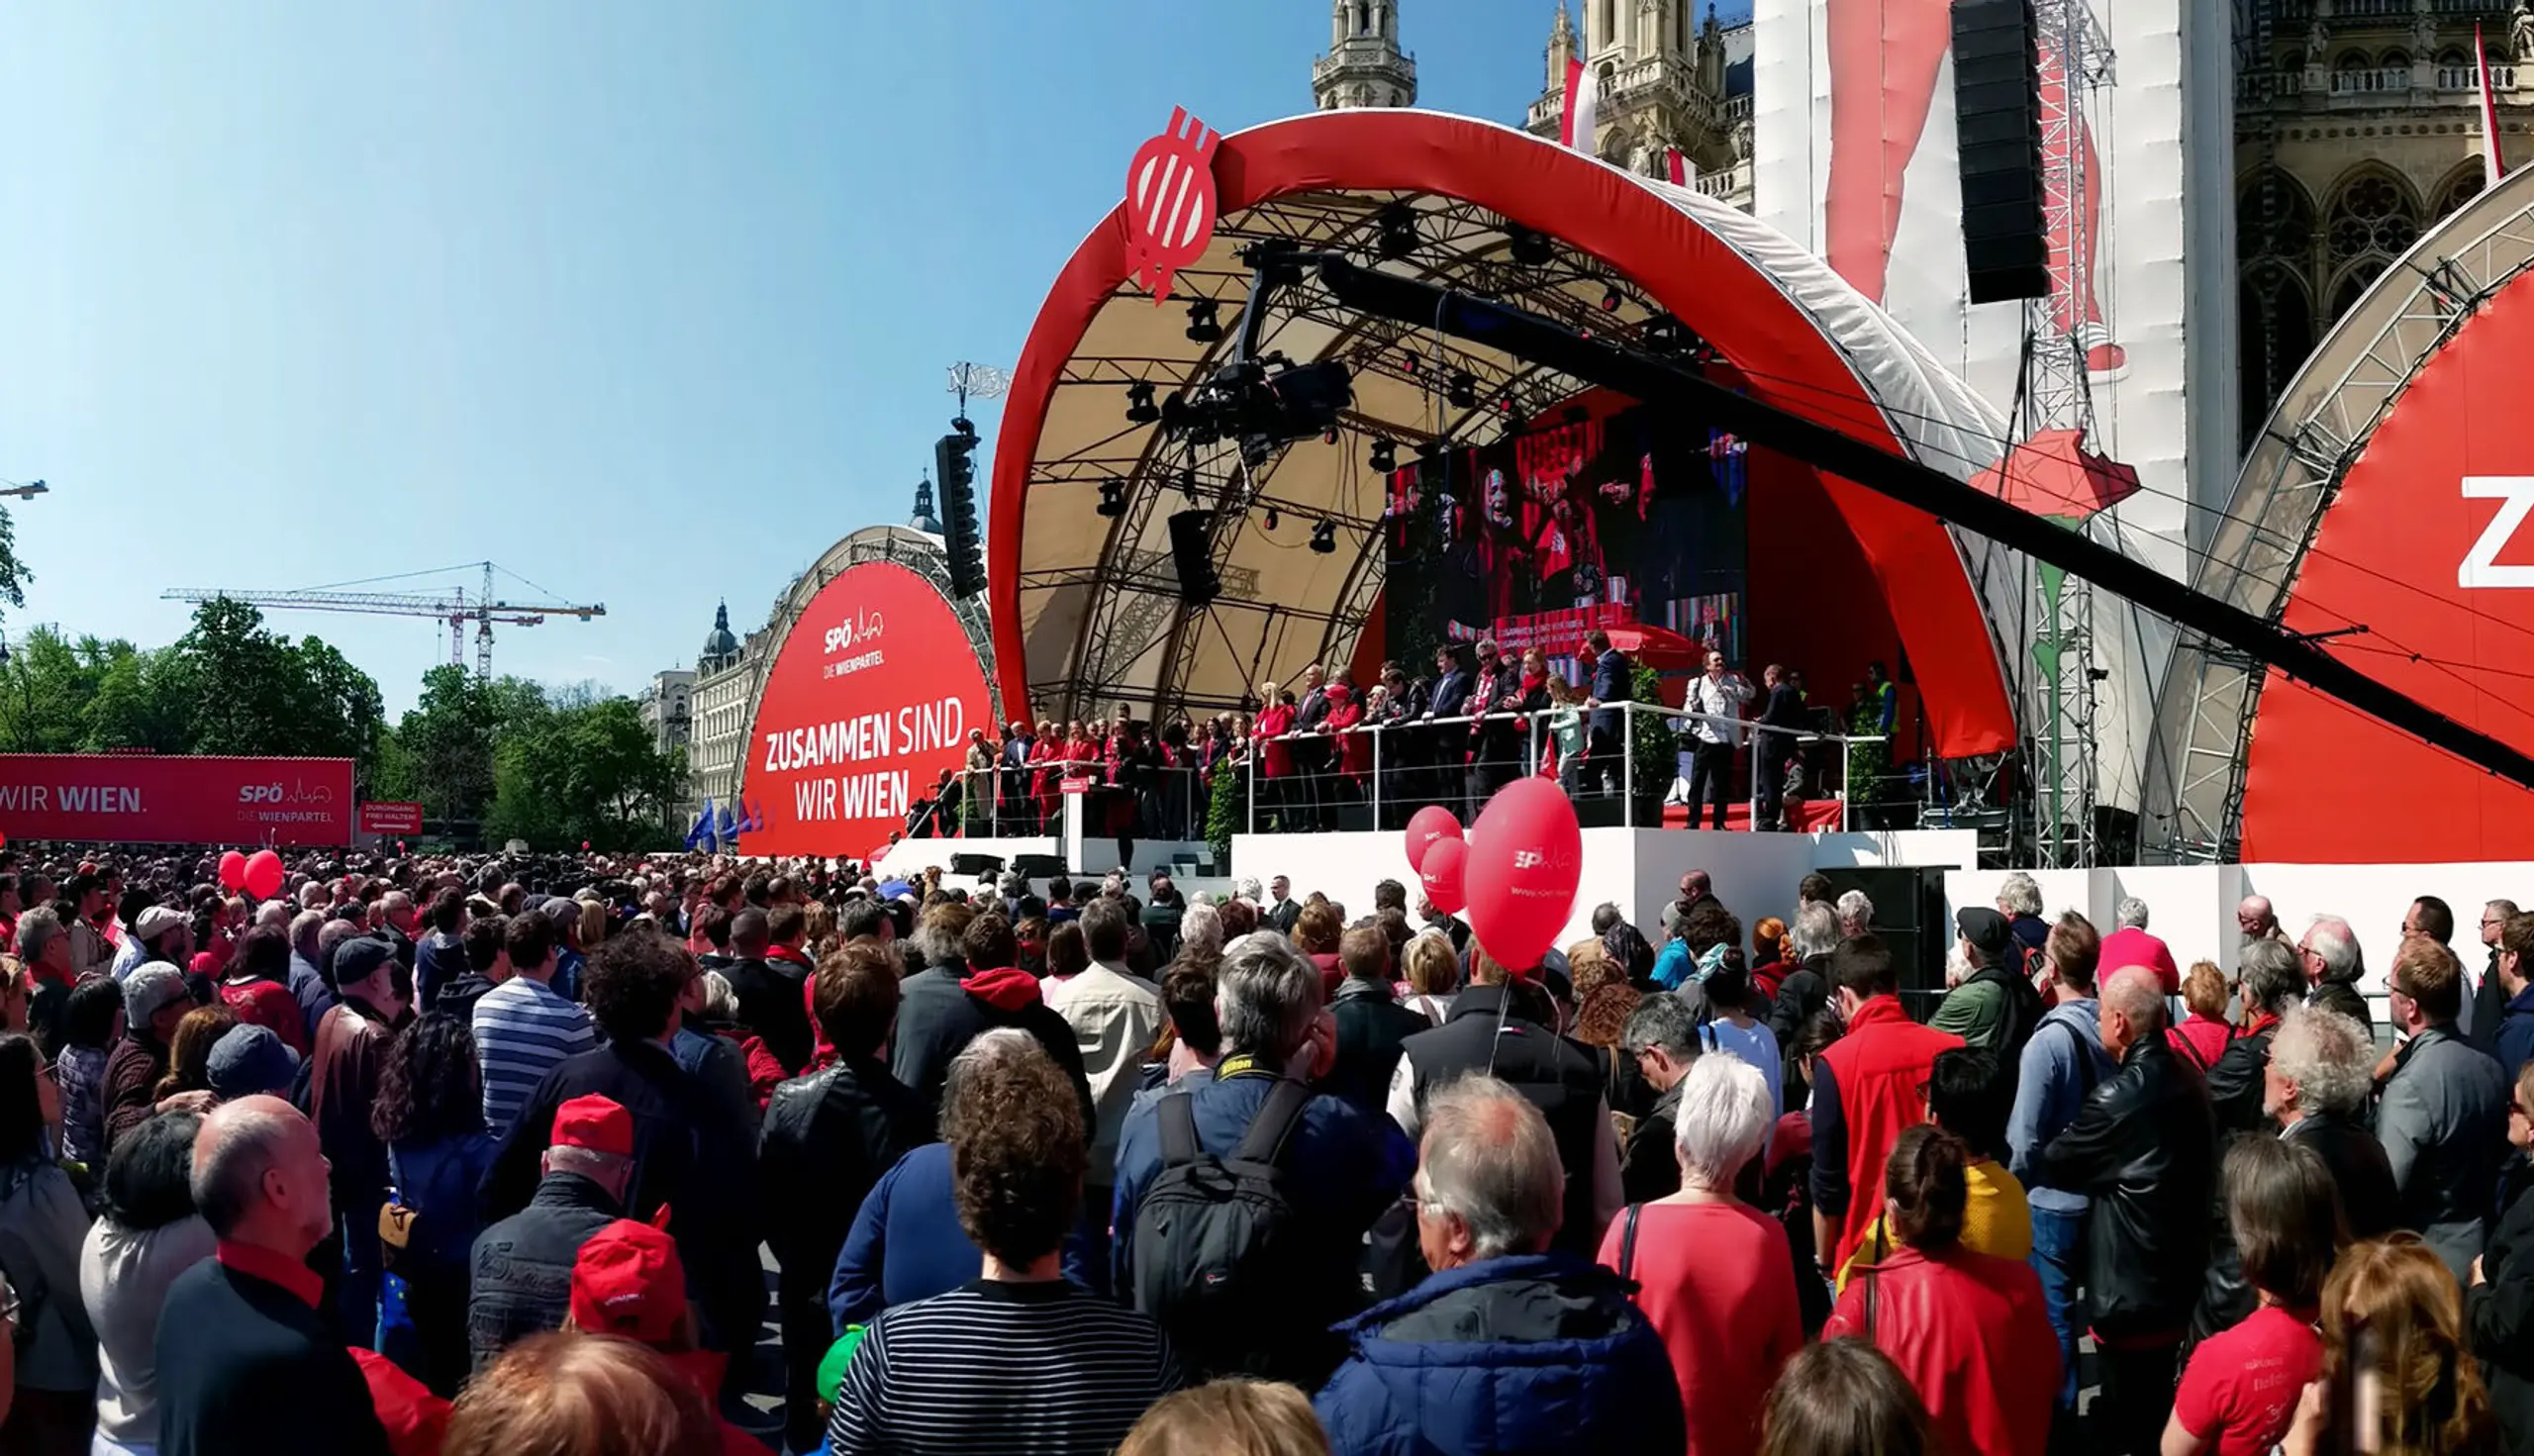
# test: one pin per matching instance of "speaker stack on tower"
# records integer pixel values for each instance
(1996, 101)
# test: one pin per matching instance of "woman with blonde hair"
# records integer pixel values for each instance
(1432, 971)
(2391, 1312)
(1229, 1417)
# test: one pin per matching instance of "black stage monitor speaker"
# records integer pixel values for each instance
(1192, 551)
(1909, 915)
(1039, 867)
(976, 864)
(1997, 102)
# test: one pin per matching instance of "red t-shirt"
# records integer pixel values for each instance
(2241, 1387)
(1717, 1284)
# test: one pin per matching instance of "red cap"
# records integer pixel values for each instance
(598, 1123)
(628, 1282)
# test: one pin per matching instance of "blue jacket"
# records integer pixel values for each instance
(1451, 693)
(438, 1179)
(1673, 965)
(2051, 1083)
(2514, 1042)
(1614, 681)
(906, 1244)
(1536, 1352)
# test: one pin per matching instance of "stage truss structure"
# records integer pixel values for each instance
(2321, 425)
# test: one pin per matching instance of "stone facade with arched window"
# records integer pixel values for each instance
(2356, 129)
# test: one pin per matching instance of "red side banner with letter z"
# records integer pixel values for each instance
(175, 799)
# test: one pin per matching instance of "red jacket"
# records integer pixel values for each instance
(1880, 1070)
(2200, 1040)
(1973, 1336)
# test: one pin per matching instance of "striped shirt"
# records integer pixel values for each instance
(522, 1030)
(1002, 1369)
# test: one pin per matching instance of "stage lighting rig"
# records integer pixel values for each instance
(1399, 238)
(1462, 394)
(1611, 300)
(1139, 405)
(1188, 483)
(1531, 249)
(1385, 457)
(1203, 325)
(1264, 400)
(1272, 518)
(1324, 539)
(1113, 497)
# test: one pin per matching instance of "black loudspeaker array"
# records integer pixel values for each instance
(1192, 552)
(1996, 98)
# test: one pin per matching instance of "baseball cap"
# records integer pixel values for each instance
(157, 921)
(249, 1060)
(1985, 929)
(598, 1123)
(149, 989)
(628, 1282)
(357, 959)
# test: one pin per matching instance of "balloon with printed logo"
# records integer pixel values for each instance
(1526, 856)
(263, 874)
(232, 870)
(1427, 827)
(1440, 875)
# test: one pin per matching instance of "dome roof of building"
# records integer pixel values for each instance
(721, 642)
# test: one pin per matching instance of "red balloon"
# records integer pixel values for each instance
(263, 874)
(232, 870)
(1426, 829)
(1441, 874)
(1525, 860)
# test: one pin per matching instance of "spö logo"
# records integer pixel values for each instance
(1525, 860)
(259, 793)
(859, 629)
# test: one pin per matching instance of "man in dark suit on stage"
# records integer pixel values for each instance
(1605, 741)
(1439, 747)
(1785, 711)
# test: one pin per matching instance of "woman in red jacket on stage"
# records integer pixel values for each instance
(1354, 750)
(1275, 750)
(1045, 771)
(1969, 1329)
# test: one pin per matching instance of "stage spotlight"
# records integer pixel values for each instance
(1113, 497)
(1609, 304)
(1188, 483)
(1140, 409)
(1324, 539)
(1504, 406)
(1202, 324)
(1398, 223)
(1463, 393)
(1385, 457)
(1272, 518)
(1531, 249)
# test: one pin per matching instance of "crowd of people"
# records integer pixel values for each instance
(1312, 747)
(457, 1155)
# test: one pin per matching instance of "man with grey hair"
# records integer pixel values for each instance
(1502, 1312)
(43, 948)
(1805, 989)
(1855, 916)
(2019, 901)
(245, 1360)
(2333, 968)
(2144, 1150)
(2268, 982)
(1662, 1037)
(2487, 1005)
(1344, 1166)
(309, 984)
(1200, 929)
(2321, 1069)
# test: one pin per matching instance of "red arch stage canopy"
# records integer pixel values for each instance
(1085, 607)
(2389, 493)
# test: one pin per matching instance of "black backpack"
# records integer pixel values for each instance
(1220, 1255)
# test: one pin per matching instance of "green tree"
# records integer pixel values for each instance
(139, 702)
(581, 770)
(45, 689)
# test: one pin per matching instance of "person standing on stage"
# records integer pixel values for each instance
(1777, 751)
(1714, 694)
(1606, 733)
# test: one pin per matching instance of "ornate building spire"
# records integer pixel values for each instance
(1364, 65)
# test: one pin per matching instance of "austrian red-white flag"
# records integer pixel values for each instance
(1676, 166)
(2493, 166)
(1577, 127)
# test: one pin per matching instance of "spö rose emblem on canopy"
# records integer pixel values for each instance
(1170, 202)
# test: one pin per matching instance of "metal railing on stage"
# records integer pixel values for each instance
(1326, 784)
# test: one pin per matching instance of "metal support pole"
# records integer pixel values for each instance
(1627, 764)
(1847, 778)
(1376, 795)
(1249, 765)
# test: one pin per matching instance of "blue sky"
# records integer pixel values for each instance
(649, 303)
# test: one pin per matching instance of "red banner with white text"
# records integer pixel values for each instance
(870, 701)
(151, 799)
